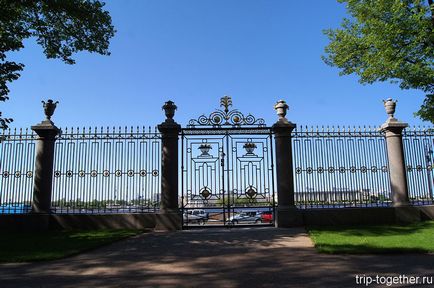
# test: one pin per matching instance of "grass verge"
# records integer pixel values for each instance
(418, 237)
(50, 245)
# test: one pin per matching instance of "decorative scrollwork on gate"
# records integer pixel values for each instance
(226, 117)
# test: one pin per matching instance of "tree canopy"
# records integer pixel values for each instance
(387, 40)
(61, 27)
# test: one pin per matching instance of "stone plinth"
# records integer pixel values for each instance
(169, 218)
(42, 188)
(395, 152)
(287, 214)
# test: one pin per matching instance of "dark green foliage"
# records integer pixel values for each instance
(387, 40)
(426, 111)
(61, 27)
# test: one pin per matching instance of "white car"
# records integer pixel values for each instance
(195, 216)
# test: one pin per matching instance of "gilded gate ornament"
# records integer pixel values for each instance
(226, 117)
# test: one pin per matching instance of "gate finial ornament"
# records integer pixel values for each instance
(226, 101)
(226, 117)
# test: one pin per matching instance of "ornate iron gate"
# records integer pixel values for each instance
(227, 169)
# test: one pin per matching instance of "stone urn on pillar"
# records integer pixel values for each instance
(281, 107)
(169, 108)
(49, 108)
(390, 107)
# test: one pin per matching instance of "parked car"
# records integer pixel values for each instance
(267, 217)
(15, 209)
(245, 217)
(198, 216)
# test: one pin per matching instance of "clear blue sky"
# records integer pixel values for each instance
(195, 51)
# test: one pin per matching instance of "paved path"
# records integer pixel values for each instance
(255, 257)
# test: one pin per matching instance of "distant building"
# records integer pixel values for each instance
(335, 196)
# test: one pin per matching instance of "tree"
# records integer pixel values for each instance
(387, 40)
(61, 27)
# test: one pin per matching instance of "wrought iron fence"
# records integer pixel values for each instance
(107, 170)
(102, 170)
(340, 167)
(418, 153)
(17, 156)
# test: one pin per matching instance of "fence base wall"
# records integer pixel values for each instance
(24, 222)
(288, 217)
(305, 217)
(348, 216)
(168, 222)
(34, 222)
(367, 216)
(426, 212)
(96, 222)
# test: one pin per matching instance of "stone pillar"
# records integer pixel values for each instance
(287, 215)
(395, 152)
(43, 178)
(169, 217)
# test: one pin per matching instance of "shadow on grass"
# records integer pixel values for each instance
(51, 245)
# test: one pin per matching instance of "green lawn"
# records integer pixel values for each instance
(417, 237)
(38, 246)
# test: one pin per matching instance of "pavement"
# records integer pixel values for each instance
(216, 257)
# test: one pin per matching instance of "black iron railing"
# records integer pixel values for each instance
(340, 167)
(17, 161)
(107, 170)
(117, 170)
(418, 153)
